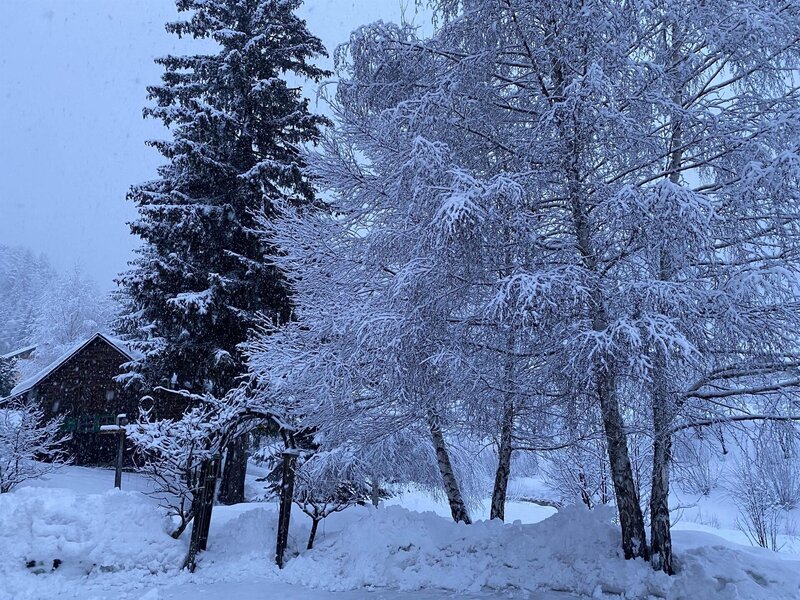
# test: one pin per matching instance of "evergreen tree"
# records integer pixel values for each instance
(8, 376)
(24, 278)
(202, 276)
(68, 312)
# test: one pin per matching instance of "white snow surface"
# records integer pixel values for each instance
(115, 544)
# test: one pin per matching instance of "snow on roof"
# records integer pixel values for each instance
(31, 382)
(19, 352)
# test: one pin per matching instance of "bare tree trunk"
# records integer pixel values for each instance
(660, 538)
(634, 540)
(375, 493)
(505, 448)
(504, 463)
(314, 523)
(585, 497)
(231, 490)
(663, 410)
(457, 506)
(631, 519)
(663, 405)
(285, 512)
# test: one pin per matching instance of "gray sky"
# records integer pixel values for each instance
(72, 87)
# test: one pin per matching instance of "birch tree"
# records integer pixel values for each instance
(670, 130)
(598, 196)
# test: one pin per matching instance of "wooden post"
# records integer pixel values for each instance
(122, 421)
(285, 512)
(209, 491)
(120, 432)
(202, 506)
(120, 456)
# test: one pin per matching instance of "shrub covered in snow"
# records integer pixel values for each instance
(26, 440)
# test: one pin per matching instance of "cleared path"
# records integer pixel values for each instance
(267, 590)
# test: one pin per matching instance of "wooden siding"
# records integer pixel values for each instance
(83, 391)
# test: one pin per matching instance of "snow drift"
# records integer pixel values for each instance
(118, 543)
(93, 537)
(576, 550)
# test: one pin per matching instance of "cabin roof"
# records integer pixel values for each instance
(18, 352)
(31, 382)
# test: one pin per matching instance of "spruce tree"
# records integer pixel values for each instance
(202, 275)
(8, 376)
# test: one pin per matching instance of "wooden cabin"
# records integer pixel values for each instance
(80, 386)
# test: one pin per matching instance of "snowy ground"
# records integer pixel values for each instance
(114, 544)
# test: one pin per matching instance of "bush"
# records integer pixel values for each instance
(696, 464)
(762, 513)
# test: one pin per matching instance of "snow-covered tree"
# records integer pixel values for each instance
(602, 193)
(8, 376)
(398, 287)
(659, 147)
(325, 482)
(24, 277)
(202, 276)
(172, 452)
(49, 310)
(321, 494)
(69, 311)
(29, 446)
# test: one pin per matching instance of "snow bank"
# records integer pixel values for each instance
(242, 536)
(573, 551)
(116, 545)
(87, 535)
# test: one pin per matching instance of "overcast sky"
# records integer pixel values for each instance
(72, 87)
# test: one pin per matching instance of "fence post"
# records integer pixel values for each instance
(122, 421)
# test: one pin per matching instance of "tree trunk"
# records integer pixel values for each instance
(182, 527)
(504, 463)
(505, 447)
(663, 407)
(375, 493)
(313, 534)
(231, 489)
(585, 497)
(631, 519)
(202, 507)
(285, 512)
(457, 506)
(660, 537)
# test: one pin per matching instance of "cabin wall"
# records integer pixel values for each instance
(83, 390)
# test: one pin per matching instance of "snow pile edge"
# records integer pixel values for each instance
(575, 550)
